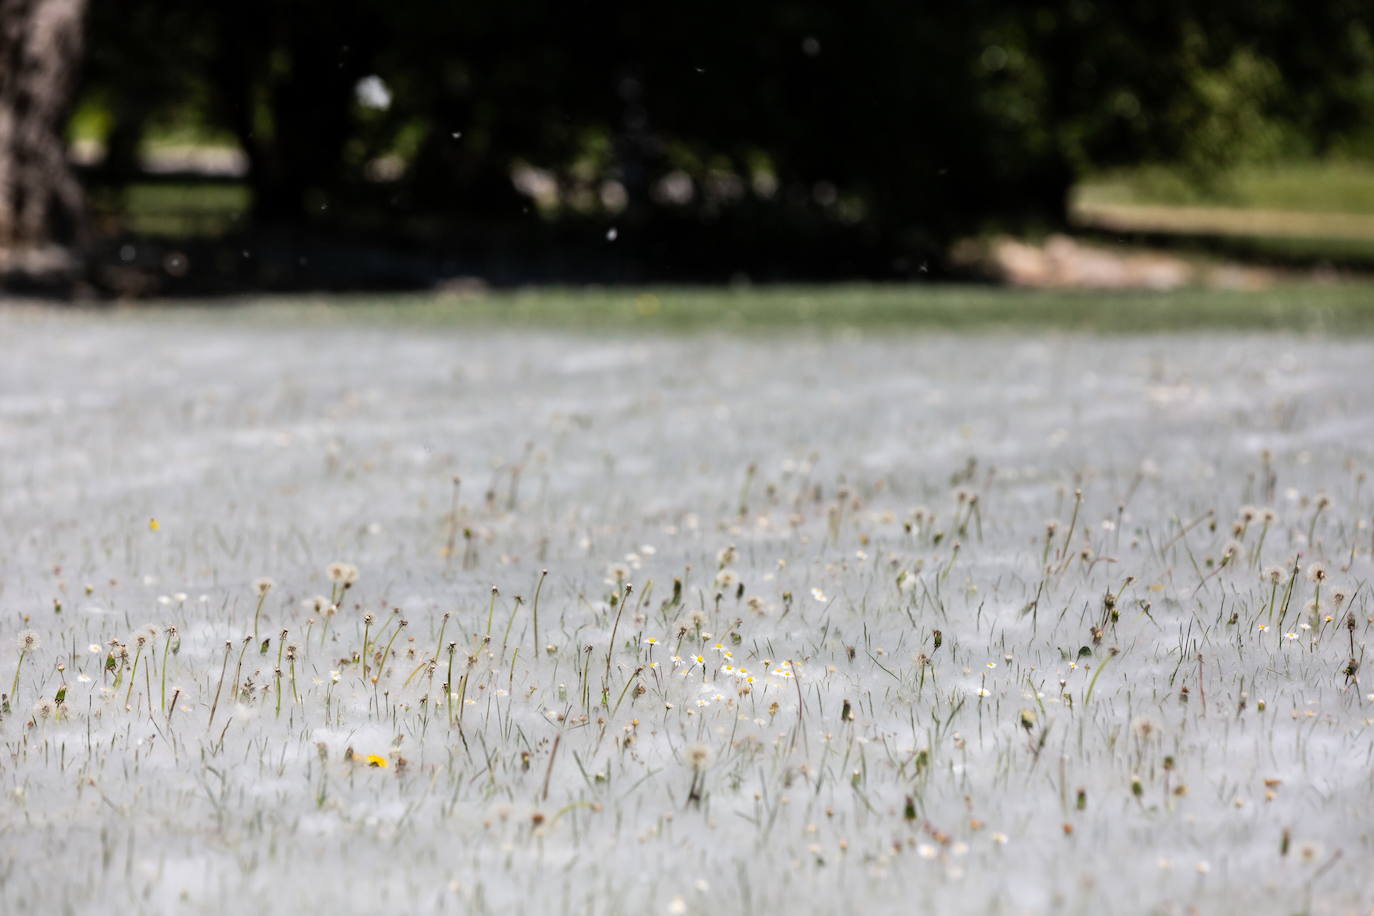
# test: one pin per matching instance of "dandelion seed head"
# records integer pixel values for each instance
(1309, 851)
(1145, 727)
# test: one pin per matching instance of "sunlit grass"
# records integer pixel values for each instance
(1321, 308)
(1307, 187)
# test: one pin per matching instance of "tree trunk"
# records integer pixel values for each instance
(40, 199)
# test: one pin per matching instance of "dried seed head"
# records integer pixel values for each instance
(698, 755)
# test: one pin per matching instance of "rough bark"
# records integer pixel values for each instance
(40, 199)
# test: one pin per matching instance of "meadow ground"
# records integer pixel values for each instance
(858, 600)
(1296, 212)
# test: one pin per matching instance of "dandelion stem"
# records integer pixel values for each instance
(452, 523)
(462, 696)
(238, 665)
(1073, 522)
(628, 681)
(1087, 697)
(228, 647)
(1288, 593)
(14, 688)
(367, 629)
(1311, 528)
(1185, 529)
(439, 647)
(386, 653)
(166, 647)
(548, 774)
(510, 622)
(138, 652)
(448, 683)
(620, 609)
(534, 609)
(257, 613)
(1259, 545)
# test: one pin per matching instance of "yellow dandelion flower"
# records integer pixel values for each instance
(376, 760)
(153, 525)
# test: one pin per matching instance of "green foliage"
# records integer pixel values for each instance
(896, 125)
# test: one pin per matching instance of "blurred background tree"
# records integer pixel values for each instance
(795, 137)
(40, 201)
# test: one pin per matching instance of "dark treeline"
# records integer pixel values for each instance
(799, 137)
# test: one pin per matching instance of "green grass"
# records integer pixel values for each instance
(177, 209)
(1316, 308)
(1295, 213)
(1310, 187)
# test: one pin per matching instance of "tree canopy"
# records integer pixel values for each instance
(723, 132)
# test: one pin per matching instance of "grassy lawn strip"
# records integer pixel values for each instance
(1308, 307)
